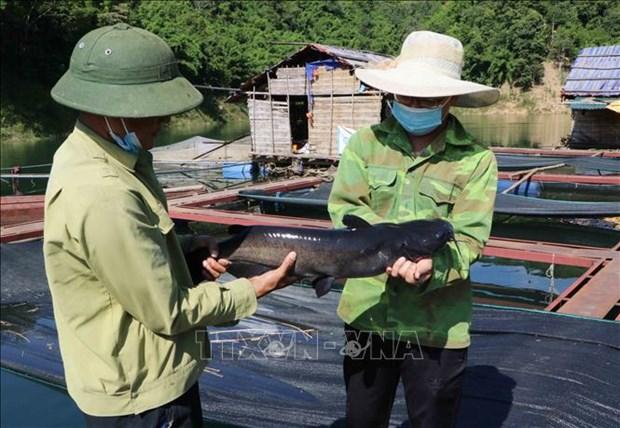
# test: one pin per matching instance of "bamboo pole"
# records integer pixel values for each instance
(331, 117)
(254, 146)
(353, 104)
(527, 176)
(542, 168)
(288, 111)
(273, 142)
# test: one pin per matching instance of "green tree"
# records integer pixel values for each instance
(182, 27)
(223, 43)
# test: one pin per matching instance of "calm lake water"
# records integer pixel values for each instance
(534, 130)
(39, 153)
(52, 407)
(540, 130)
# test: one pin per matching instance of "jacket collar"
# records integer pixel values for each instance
(453, 134)
(107, 149)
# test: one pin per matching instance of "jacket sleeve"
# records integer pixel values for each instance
(351, 192)
(471, 217)
(130, 256)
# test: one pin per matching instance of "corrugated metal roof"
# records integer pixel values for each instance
(313, 52)
(351, 56)
(595, 72)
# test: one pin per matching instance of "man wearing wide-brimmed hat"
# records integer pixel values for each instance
(130, 322)
(419, 163)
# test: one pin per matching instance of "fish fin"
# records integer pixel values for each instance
(237, 229)
(322, 285)
(355, 222)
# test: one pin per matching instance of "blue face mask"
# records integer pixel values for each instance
(417, 121)
(130, 142)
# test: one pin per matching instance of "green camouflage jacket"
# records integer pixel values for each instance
(380, 179)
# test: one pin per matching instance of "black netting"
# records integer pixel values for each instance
(282, 367)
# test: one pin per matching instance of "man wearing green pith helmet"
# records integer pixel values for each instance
(127, 314)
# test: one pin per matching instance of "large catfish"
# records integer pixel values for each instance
(360, 250)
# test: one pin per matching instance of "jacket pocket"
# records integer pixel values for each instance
(437, 197)
(383, 184)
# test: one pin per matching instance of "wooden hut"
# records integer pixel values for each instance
(303, 106)
(592, 91)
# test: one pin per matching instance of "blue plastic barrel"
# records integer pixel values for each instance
(527, 188)
(239, 171)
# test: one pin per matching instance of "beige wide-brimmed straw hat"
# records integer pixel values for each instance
(429, 66)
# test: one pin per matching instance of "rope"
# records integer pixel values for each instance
(9, 168)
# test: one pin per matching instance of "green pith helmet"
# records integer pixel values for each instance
(123, 71)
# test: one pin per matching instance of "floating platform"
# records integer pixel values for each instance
(594, 294)
(556, 152)
(505, 203)
(588, 165)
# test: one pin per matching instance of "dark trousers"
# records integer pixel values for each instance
(184, 412)
(373, 366)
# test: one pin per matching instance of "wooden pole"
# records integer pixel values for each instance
(331, 115)
(254, 148)
(542, 168)
(527, 177)
(273, 142)
(288, 111)
(353, 104)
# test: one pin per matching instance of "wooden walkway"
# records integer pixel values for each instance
(594, 294)
(558, 152)
(562, 178)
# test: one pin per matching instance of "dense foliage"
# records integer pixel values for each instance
(222, 43)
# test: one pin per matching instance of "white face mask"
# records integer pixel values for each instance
(130, 142)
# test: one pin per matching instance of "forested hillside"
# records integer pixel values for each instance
(221, 43)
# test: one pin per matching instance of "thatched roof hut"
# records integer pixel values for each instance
(592, 91)
(303, 106)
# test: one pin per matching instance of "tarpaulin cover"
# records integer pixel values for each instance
(311, 67)
(329, 64)
(587, 165)
(504, 203)
(282, 367)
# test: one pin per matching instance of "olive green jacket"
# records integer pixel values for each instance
(380, 179)
(130, 324)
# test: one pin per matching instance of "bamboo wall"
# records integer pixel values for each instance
(270, 127)
(330, 112)
(292, 81)
(337, 82)
(289, 81)
(598, 129)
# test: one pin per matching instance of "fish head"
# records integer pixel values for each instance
(424, 237)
